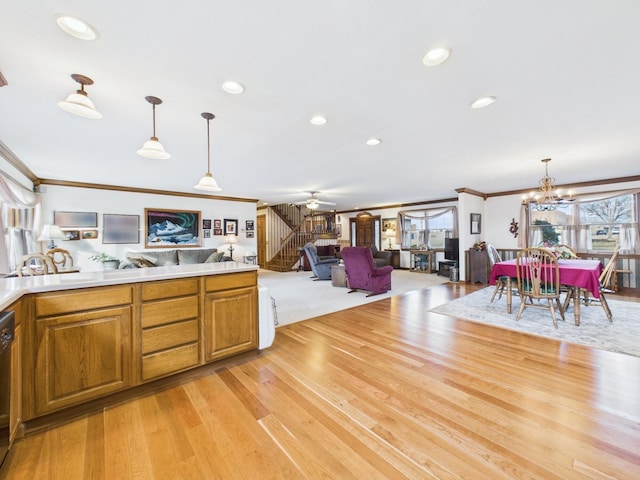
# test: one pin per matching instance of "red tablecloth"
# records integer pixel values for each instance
(578, 273)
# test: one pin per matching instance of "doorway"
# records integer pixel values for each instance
(365, 230)
(261, 239)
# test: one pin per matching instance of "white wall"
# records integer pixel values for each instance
(75, 199)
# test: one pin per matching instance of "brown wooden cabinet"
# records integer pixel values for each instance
(79, 347)
(478, 265)
(230, 316)
(169, 327)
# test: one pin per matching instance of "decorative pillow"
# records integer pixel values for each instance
(215, 257)
(186, 257)
(141, 261)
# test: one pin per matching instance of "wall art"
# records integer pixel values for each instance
(120, 228)
(177, 228)
(75, 219)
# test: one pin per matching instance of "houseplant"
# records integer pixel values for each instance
(108, 262)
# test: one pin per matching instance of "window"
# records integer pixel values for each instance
(589, 225)
(422, 229)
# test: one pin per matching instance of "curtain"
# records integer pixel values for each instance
(21, 218)
(629, 238)
(426, 215)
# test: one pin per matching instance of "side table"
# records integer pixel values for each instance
(338, 276)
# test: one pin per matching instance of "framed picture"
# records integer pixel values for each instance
(250, 233)
(120, 228)
(217, 223)
(72, 234)
(177, 228)
(249, 225)
(388, 223)
(206, 233)
(75, 219)
(476, 224)
(217, 231)
(206, 224)
(230, 226)
(89, 234)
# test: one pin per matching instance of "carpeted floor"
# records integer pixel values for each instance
(298, 297)
(623, 335)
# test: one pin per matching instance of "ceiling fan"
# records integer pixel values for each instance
(313, 202)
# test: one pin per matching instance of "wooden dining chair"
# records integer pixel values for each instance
(603, 281)
(538, 279)
(35, 264)
(60, 257)
(501, 282)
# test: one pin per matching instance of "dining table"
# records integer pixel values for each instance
(578, 273)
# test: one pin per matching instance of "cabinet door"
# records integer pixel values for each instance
(231, 322)
(81, 356)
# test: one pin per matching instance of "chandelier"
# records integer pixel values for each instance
(547, 197)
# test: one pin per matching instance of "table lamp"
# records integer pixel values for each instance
(231, 239)
(51, 233)
(390, 233)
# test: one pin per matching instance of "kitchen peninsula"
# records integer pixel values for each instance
(83, 336)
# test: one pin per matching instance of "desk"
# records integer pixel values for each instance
(577, 273)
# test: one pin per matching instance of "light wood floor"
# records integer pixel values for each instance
(383, 391)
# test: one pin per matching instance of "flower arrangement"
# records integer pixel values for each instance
(480, 246)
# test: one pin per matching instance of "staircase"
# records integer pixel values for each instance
(306, 226)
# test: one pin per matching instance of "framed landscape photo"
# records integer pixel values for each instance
(120, 228)
(176, 228)
(72, 234)
(89, 234)
(230, 226)
(476, 223)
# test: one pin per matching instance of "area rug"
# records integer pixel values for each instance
(623, 335)
(298, 297)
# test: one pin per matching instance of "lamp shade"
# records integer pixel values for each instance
(232, 239)
(51, 232)
(208, 183)
(153, 149)
(80, 105)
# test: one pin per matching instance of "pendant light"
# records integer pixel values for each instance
(207, 182)
(152, 148)
(79, 103)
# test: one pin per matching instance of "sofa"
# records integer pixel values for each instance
(381, 258)
(182, 256)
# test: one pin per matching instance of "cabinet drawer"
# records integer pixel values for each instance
(168, 289)
(169, 311)
(167, 336)
(169, 361)
(233, 280)
(48, 304)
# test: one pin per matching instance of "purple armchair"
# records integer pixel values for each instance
(362, 273)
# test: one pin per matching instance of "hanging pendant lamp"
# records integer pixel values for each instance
(152, 148)
(79, 103)
(207, 182)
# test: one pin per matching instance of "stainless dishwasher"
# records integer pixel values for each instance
(6, 337)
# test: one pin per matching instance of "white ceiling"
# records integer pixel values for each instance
(566, 75)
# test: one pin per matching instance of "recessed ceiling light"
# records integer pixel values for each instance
(436, 56)
(76, 27)
(234, 88)
(374, 141)
(483, 102)
(318, 120)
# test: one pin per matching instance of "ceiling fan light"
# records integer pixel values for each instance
(153, 149)
(313, 206)
(80, 105)
(208, 183)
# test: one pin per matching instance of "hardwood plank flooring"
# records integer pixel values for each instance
(387, 390)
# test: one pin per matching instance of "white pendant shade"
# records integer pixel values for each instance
(208, 183)
(153, 149)
(79, 103)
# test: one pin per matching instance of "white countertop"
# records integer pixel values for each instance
(11, 289)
